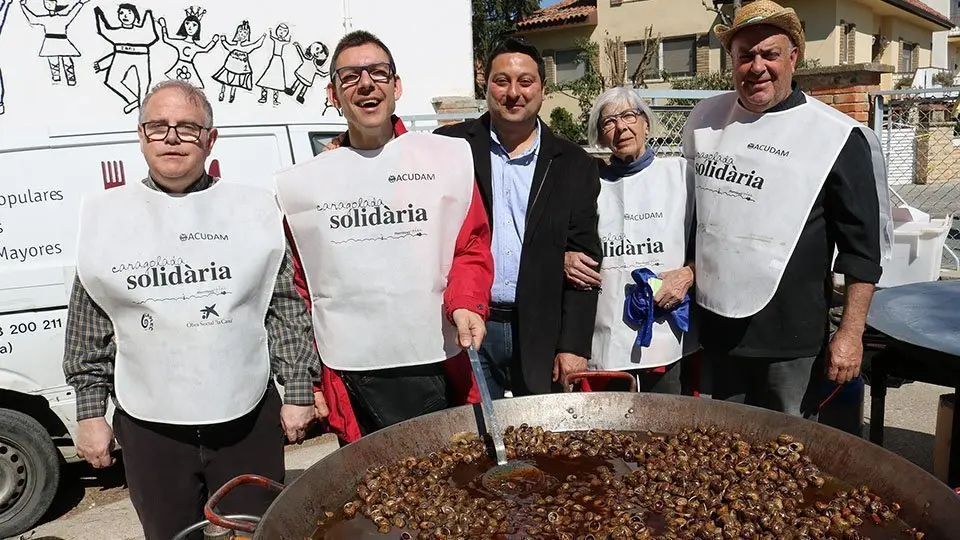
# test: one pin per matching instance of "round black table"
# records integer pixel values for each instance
(922, 321)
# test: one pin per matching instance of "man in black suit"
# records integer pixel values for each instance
(540, 193)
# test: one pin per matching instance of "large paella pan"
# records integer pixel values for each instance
(919, 499)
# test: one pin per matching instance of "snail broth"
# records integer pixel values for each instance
(467, 476)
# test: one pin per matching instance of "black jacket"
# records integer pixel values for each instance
(553, 317)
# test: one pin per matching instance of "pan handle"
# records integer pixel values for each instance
(571, 378)
(231, 524)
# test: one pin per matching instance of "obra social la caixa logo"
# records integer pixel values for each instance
(411, 177)
(209, 316)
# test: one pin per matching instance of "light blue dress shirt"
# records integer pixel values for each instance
(512, 179)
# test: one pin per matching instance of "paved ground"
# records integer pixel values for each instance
(95, 506)
(910, 421)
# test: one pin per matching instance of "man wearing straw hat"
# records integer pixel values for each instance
(782, 181)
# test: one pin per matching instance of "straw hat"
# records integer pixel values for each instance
(761, 12)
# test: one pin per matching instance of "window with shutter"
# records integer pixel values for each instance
(907, 57)
(567, 67)
(635, 52)
(679, 55)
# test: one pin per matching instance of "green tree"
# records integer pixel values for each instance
(563, 124)
(717, 80)
(493, 20)
(588, 87)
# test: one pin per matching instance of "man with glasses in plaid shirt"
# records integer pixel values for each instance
(395, 248)
(183, 308)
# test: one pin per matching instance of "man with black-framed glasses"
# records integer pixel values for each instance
(395, 249)
(183, 309)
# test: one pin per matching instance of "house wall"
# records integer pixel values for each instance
(953, 54)
(901, 31)
(560, 39)
(890, 54)
(669, 17)
(630, 19)
(939, 55)
(863, 18)
(819, 18)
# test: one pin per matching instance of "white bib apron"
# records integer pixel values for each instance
(186, 281)
(645, 221)
(376, 232)
(757, 178)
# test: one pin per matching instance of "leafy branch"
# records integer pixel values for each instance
(492, 21)
(588, 86)
(651, 52)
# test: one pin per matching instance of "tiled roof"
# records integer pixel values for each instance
(566, 12)
(934, 14)
(924, 10)
(917, 7)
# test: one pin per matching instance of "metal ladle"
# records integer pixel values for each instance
(511, 478)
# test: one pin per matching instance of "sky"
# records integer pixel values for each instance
(546, 3)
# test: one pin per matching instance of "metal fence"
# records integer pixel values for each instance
(920, 135)
(430, 122)
(919, 132)
(918, 129)
(672, 108)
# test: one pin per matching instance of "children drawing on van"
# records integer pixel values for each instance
(57, 47)
(187, 44)
(236, 71)
(312, 60)
(275, 76)
(327, 105)
(4, 9)
(131, 53)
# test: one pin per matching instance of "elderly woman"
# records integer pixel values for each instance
(646, 216)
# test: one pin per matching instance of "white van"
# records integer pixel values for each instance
(68, 128)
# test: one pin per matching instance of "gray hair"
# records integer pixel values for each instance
(192, 93)
(620, 95)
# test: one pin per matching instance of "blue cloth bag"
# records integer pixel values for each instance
(640, 311)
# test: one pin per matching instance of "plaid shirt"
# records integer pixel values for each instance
(90, 350)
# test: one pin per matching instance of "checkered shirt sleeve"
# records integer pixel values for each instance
(90, 350)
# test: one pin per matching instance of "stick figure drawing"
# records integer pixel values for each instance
(131, 52)
(187, 46)
(236, 71)
(57, 47)
(4, 9)
(275, 76)
(312, 60)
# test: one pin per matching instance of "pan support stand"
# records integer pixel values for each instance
(915, 364)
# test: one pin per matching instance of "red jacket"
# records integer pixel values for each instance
(468, 287)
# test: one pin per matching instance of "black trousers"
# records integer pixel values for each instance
(789, 385)
(384, 397)
(172, 470)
